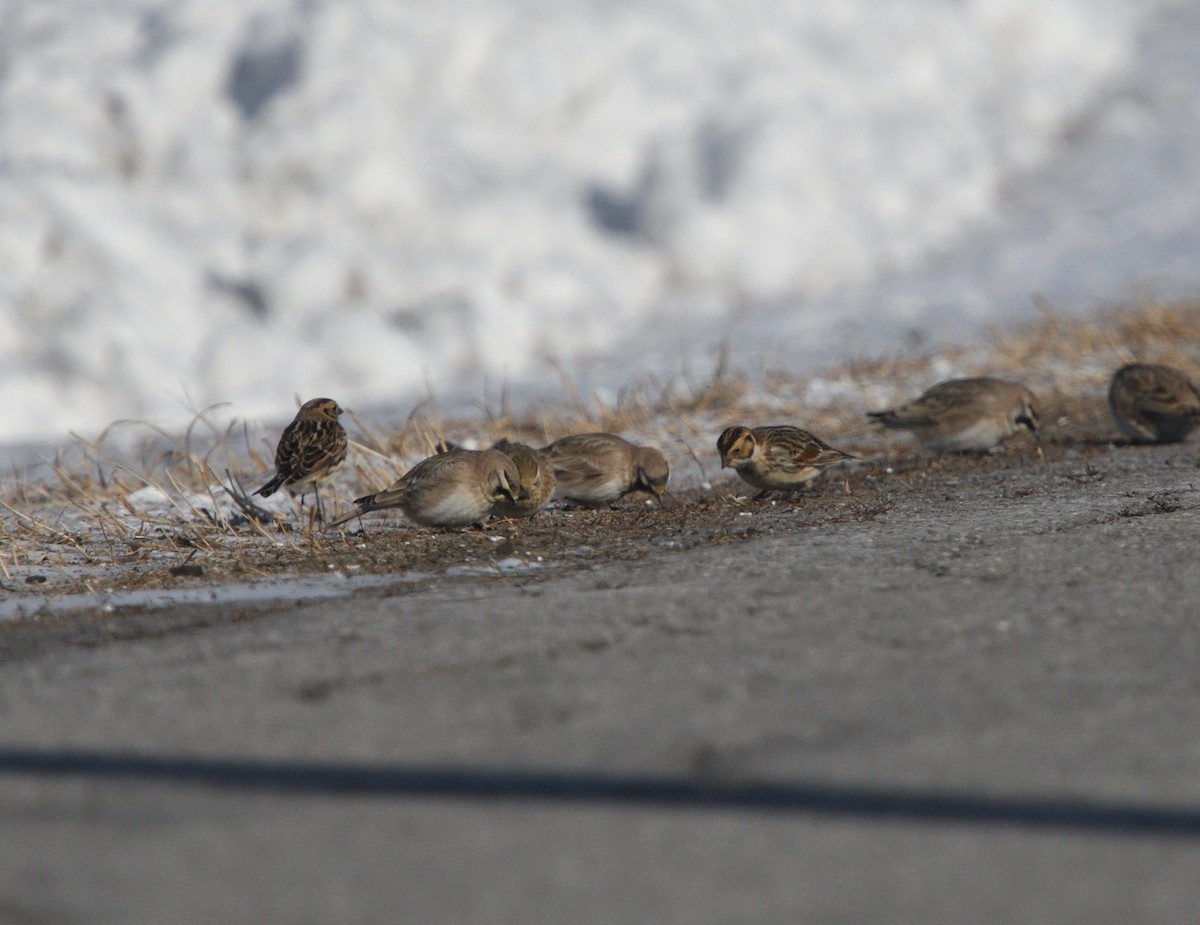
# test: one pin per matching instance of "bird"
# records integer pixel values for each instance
(536, 480)
(777, 457)
(1154, 404)
(311, 448)
(599, 468)
(972, 414)
(455, 488)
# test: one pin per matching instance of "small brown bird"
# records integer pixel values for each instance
(600, 468)
(311, 449)
(776, 458)
(456, 488)
(536, 477)
(1154, 404)
(965, 414)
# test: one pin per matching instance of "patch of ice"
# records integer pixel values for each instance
(514, 564)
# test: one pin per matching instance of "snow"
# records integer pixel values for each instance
(221, 201)
(289, 588)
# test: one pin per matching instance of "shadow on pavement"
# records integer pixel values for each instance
(598, 788)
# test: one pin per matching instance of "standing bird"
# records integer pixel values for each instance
(777, 458)
(536, 477)
(1154, 404)
(456, 488)
(310, 450)
(600, 468)
(965, 414)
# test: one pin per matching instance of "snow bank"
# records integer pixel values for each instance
(228, 201)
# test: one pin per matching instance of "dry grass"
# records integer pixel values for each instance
(83, 521)
(1150, 332)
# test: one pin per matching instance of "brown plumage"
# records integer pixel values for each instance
(599, 468)
(536, 477)
(310, 450)
(776, 458)
(455, 488)
(965, 415)
(1154, 404)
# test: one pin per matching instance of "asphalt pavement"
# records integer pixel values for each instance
(982, 705)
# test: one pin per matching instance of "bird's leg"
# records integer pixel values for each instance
(362, 528)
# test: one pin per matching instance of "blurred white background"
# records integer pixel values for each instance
(227, 201)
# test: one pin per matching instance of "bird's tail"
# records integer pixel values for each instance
(344, 518)
(362, 505)
(271, 487)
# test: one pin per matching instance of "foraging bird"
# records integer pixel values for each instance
(456, 488)
(965, 414)
(599, 468)
(776, 458)
(536, 480)
(311, 448)
(1154, 404)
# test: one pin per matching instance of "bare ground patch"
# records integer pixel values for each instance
(97, 519)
